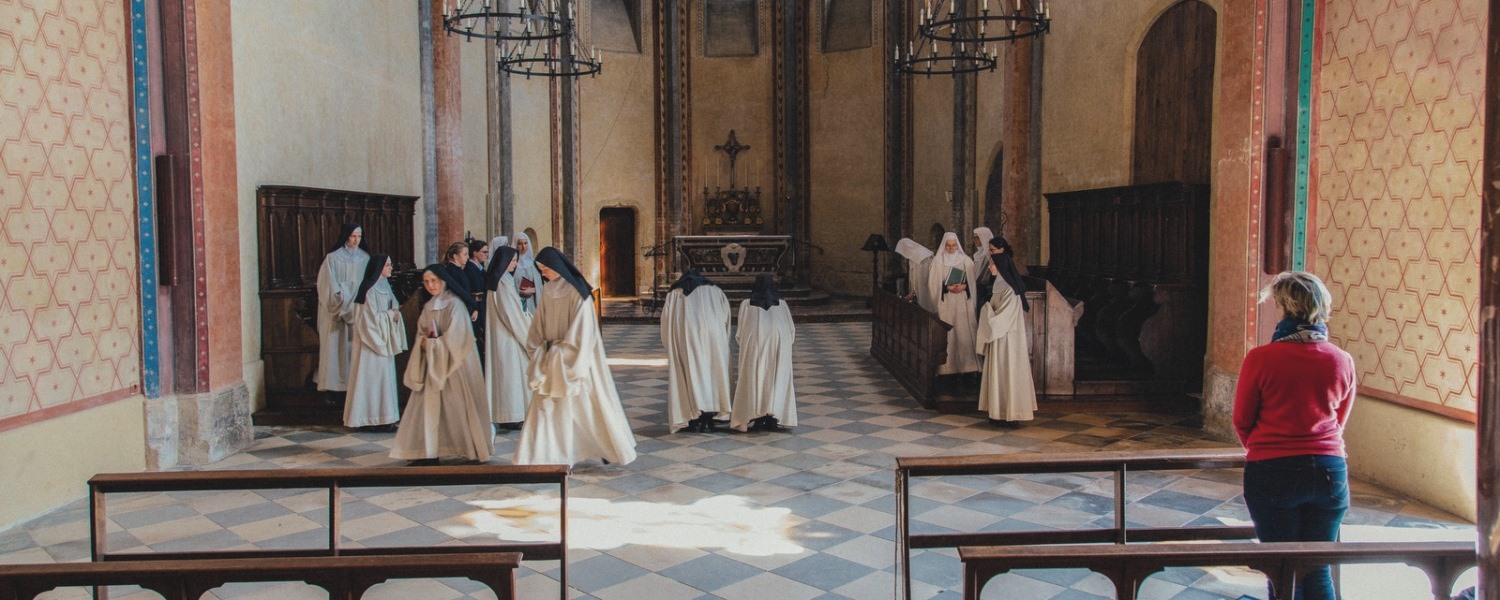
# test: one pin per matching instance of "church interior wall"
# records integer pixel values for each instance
(731, 93)
(321, 106)
(990, 113)
(932, 158)
(220, 190)
(1398, 146)
(617, 142)
(531, 158)
(70, 359)
(475, 118)
(846, 120)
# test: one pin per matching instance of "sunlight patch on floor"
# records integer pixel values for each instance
(723, 522)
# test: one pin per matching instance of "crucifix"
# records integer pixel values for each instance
(733, 148)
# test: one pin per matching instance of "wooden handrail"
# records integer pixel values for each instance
(1118, 463)
(1282, 562)
(334, 480)
(344, 577)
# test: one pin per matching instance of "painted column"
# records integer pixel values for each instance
(1488, 427)
(673, 121)
(447, 139)
(965, 119)
(1020, 164)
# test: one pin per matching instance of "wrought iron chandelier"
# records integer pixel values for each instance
(968, 39)
(533, 37)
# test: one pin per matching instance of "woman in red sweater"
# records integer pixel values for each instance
(1290, 407)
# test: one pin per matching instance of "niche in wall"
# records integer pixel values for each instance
(731, 28)
(617, 25)
(847, 24)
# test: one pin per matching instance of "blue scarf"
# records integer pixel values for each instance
(1297, 330)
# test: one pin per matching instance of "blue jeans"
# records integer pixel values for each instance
(1299, 499)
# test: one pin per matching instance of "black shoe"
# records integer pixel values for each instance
(424, 462)
(770, 423)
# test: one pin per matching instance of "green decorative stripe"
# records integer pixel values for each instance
(1304, 135)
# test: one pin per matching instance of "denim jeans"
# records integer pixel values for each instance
(1299, 499)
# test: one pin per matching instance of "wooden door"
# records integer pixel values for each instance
(617, 250)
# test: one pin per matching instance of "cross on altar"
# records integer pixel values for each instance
(733, 148)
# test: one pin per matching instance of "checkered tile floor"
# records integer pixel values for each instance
(783, 516)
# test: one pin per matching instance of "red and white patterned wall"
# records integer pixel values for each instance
(69, 313)
(1398, 144)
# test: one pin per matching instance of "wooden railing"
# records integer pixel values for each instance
(910, 342)
(344, 577)
(333, 481)
(1283, 563)
(1119, 463)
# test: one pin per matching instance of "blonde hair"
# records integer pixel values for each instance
(1300, 295)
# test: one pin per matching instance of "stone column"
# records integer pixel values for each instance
(673, 121)
(1021, 164)
(1488, 514)
(898, 132)
(447, 129)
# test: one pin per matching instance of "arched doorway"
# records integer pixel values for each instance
(617, 250)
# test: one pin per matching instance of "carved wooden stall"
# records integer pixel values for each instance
(1137, 259)
(297, 226)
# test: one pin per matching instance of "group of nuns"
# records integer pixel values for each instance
(695, 328)
(983, 298)
(542, 369)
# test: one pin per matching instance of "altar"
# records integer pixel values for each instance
(734, 261)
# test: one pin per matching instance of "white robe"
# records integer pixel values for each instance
(338, 282)
(916, 256)
(695, 332)
(379, 335)
(526, 269)
(1006, 391)
(448, 413)
(954, 309)
(575, 412)
(505, 350)
(765, 376)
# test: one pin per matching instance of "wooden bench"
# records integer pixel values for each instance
(910, 342)
(1119, 463)
(334, 481)
(1282, 562)
(344, 577)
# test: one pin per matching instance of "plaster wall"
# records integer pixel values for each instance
(321, 106)
(475, 119)
(52, 460)
(731, 93)
(989, 129)
(932, 157)
(1422, 455)
(531, 145)
(617, 164)
(846, 123)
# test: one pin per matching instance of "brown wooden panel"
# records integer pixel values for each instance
(910, 341)
(1174, 96)
(617, 251)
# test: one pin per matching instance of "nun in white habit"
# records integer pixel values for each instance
(448, 413)
(575, 412)
(505, 350)
(983, 281)
(917, 257)
(1006, 391)
(950, 294)
(763, 395)
(528, 279)
(338, 282)
(695, 332)
(379, 335)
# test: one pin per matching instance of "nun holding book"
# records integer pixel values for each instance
(950, 294)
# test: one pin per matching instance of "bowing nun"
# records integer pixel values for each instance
(1006, 391)
(695, 331)
(950, 294)
(448, 413)
(983, 280)
(575, 412)
(338, 282)
(528, 279)
(379, 335)
(917, 257)
(507, 327)
(763, 395)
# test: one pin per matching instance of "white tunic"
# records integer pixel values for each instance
(575, 412)
(1006, 391)
(379, 335)
(954, 309)
(765, 377)
(526, 271)
(338, 282)
(695, 332)
(505, 349)
(448, 413)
